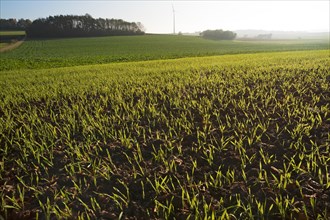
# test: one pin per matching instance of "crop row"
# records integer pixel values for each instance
(233, 137)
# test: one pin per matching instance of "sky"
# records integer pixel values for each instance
(190, 16)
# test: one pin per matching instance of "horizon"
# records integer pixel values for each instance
(190, 16)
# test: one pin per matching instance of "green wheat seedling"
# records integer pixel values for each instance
(222, 137)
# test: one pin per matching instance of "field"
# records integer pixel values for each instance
(8, 38)
(39, 54)
(12, 33)
(242, 136)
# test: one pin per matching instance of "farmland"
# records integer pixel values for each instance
(8, 38)
(239, 136)
(12, 33)
(52, 53)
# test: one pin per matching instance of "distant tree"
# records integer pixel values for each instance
(218, 35)
(13, 24)
(264, 36)
(140, 27)
(82, 26)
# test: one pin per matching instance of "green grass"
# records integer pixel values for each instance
(11, 33)
(38, 54)
(231, 137)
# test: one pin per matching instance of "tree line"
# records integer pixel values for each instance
(81, 26)
(13, 24)
(72, 26)
(218, 35)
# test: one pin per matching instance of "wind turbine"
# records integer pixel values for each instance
(173, 19)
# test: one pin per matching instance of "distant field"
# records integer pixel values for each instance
(9, 33)
(223, 137)
(9, 36)
(36, 54)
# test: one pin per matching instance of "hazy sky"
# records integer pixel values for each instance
(191, 16)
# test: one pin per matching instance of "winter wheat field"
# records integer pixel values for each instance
(165, 127)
